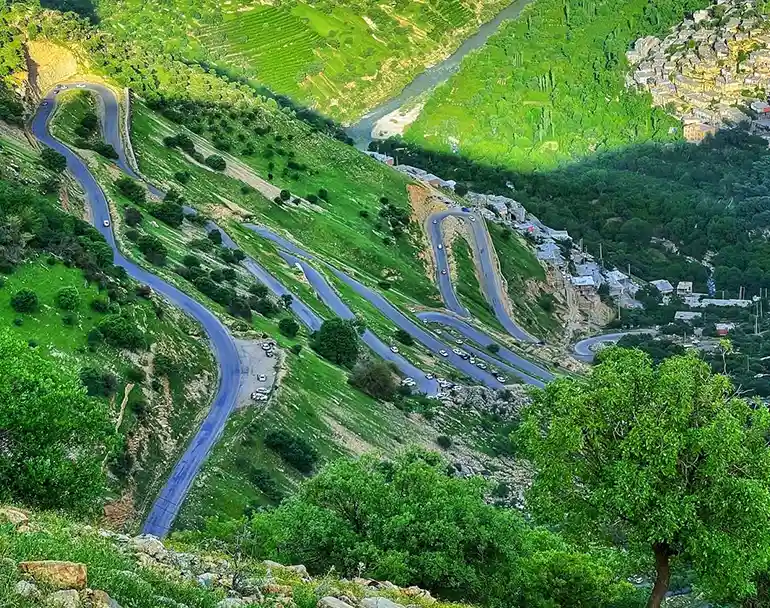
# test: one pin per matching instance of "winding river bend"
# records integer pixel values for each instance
(361, 132)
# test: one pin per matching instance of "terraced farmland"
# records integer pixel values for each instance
(342, 57)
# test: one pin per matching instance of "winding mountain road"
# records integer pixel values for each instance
(172, 495)
(585, 350)
(491, 281)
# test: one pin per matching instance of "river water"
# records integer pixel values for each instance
(361, 132)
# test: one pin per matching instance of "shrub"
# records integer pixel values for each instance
(444, 442)
(53, 160)
(285, 195)
(191, 261)
(216, 162)
(131, 189)
(375, 379)
(68, 319)
(296, 348)
(323, 194)
(152, 248)
(258, 289)
(404, 337)
(100, 304)
(288, 327)
(95, 336)
(121, 332)
(98, 383)
(294, 450)
(68, 298)
(133, 216)
(493, 348)
(24, 300)
(264, 306)
(215, 236)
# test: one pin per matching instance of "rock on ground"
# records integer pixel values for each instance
(59, 575)
(64, 599)
(332, 602)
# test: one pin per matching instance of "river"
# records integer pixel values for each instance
(361, 132)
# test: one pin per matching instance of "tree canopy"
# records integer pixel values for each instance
(337, 341)
(53, 437)
(661, 460)
(409, 522)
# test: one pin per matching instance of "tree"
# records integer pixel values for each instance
(68, 298)
(287, 299)
(133, 216)
(24, 300)
(121, 332)
(258, 289)
(98, 383)
(216, 162)
(404, 337)
(408, 521)
(337, 341)
(131, 189)
(663, 460)
(288, 327)
(376, 379)
(53, 160)
(285, 195)
(461, 189)
(152, 248)
(54, 437)
(215, 236)
(191, 261)
(293, 449)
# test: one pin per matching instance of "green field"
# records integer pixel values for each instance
(341, 57)
(550, 86)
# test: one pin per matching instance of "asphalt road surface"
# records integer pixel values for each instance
(491, 283)
(174, 492)
(586, 349)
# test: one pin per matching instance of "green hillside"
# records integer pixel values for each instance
(550, 86)
(340, 57)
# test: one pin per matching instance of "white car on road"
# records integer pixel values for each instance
(106, 223)
(394, 349)
(262, 378)
(443, 353)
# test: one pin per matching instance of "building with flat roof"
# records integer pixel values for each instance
(663, 286)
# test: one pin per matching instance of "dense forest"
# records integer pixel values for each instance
(550, 86)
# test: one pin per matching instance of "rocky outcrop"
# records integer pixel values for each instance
(709, 69)
(59, 575)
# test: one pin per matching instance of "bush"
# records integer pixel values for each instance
(132, 215)
(68, 298)
(288, 327)
(121, 332)
(98, 383)
(404, 337)
(285, 195)
(53, 161)
(323, 194)
(216, 162)
(258, 289)
(152, 248)
(191, 261)
(131, 189)
(296, 348)
(493, 348)
(69, 319)
(24, 300)
(294, 450)
(95, 336)
(444, 442)
(100, 304)
(215, 236)
(376, 379)
(264, 306)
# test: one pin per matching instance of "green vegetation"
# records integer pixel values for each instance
(314, 402)
(338, 341)
(342, 57)
(418, 525)
(664, 462)
(467, 284)
(53, 452)
(376, 379)
(550, 86)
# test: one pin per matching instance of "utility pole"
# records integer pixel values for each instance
(601, 255)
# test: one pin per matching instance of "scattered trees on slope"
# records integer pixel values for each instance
(337, 341)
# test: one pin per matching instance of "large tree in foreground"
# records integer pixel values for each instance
(663, 461)
(53, 437)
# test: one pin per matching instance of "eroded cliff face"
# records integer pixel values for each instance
(711, 70)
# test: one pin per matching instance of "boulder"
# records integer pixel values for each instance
(64, 599)
(99, 599)
(27, 589)
(16, 517)
(148, 545)
(232, 602)
(207, 579)
(379, 602)
(332, 602)
(276, 589)
(59, 575)
(298, 569)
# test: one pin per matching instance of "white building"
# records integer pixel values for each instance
(663, 286)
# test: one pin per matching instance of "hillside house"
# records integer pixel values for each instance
(760, 108)
(585, 285)
(687, 316)
(663, 286)
(724, 328)
(684, 288)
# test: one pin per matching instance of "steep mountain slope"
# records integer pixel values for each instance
(339, 57)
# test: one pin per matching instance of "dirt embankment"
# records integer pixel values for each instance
(48, 64)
